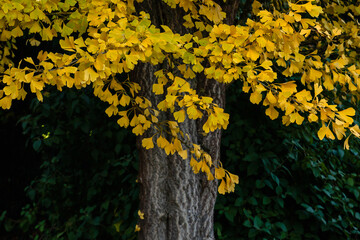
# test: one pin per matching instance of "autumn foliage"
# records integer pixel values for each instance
(301, 62)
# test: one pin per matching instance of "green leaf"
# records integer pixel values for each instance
(230, 214)
(266, 200)
(350, 181)
(36, 145)
(258, 223)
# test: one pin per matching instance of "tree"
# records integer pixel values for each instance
(163, 67)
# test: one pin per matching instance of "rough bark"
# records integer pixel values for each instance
(177, 203)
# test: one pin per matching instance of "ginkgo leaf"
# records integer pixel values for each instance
(222, 187)
(180, 115)
(112, 110)
(318, 89)
(5, 102)
(90, 74)
(256, 97)
(162, 142)
(123, 122)
(183, 154)
(137, 228)
(219, 173)
(67, 44)
(346, 143)
(266, 64)
(271, 98)
(124, 100)
(312, 117)
(141, 214)
(325, 131)
(148, 143)
(170, 99)
(138, 130)
(158, 88)
(346, 115)
(272, 112)
(252, 54)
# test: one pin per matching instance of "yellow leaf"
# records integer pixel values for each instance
(39, 96)
(312, 117)
(222, 187)
(328, 83)
(131, 60)
(272, 112)
(228, 47)
(288, 88)
(180, 115)
(37, 14)
(281, 62)
(344, 115)
(170, 99)
(148, 143)
(318, 89)
(134, 121)
(271, 97)
(158, 88)
(314, 74)
(198, 68)
(256, 97)
(138, 130)
(142, 118)
(195, 165)
(219, 173)
(313, 10)
(16, 32)
(5, 102)
(137, 228)
(266, 64)
(355, 130)
(36, 85)
(90, 74)
(234, 178)
(47, 34)
(252, 54)
(296, 117)
(124, 100)
(162, 142)
(339, 129)
(112, 110)
(261, 41)
(124, 121)
(193, 112)
(305, 32)
(325, 131)
(270, 46)
(346, 143)
(117, 226)
(11, 90)
(35, 28)
(141, 214)
(183, 154)
(29, 60)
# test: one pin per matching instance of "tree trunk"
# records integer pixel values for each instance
(177, 204)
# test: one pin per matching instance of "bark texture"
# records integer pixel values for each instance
(177, 203)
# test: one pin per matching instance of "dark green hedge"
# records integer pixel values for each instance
(292, 186)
